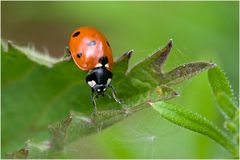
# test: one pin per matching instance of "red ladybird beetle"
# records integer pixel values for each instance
(91, 52)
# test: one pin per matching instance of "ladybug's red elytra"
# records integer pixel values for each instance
(91, 52)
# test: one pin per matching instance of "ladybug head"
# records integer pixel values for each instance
(98, 79)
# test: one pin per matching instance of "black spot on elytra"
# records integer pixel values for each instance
(108, 44)
(103, 60)
(91, 43)
(79, 55)
(76, 34)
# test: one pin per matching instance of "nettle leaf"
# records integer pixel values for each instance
(223, 93)
(184, 72)
(38, 90)
(195, 122)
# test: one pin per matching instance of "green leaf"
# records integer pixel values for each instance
(226, 101)
(194, 122)
(78, 125)
(220, 82)
(38, 90)
(74, 127)
(184, 72)
(223, 92)
(121, 68)
(227, 105)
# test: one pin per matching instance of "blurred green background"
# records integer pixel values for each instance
(200, 31)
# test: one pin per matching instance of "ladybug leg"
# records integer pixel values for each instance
(108, 95)
(94, 103)
(114, 95)
(67, 53)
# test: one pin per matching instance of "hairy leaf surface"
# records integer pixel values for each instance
(38, 91)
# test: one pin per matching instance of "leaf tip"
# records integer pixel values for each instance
(129, 53)
(175, 94)
(150, 103)
(9, 44)
(170, 43)
(213, 65)
(6, 45)
(125, 57)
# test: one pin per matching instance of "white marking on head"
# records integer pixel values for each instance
(108, 81)
(107, 65)
(98, 65)
(91, 83)
(104, 89)
(98, 90)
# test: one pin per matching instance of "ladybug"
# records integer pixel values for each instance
(91, 52)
